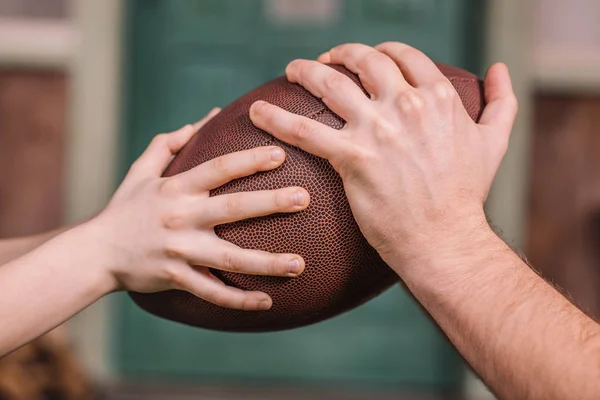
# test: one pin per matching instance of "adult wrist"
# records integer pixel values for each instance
(446, 249)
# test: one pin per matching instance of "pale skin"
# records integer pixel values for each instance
(155, 234)
(417, 171)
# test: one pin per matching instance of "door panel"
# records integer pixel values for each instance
(372, 344)
(188, 56)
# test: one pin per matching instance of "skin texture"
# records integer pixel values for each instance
(155, 234)
(417, 171)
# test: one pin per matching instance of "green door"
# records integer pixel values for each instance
(187, 56)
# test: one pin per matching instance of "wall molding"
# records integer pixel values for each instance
(37, 43)
(567, 69)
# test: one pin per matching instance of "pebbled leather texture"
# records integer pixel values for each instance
(342, 269)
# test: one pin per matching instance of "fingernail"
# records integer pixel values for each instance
(263, 304)
(276, 154)
(294, 266)
(299, 198)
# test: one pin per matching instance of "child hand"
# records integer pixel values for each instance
(159, 232)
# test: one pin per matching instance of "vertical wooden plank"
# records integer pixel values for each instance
(564, 208)
(33, 115)
(32, 127)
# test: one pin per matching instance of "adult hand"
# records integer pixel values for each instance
(415, 167)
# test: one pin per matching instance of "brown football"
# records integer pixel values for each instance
(342, 270)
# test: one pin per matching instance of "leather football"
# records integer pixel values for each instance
(342, 270)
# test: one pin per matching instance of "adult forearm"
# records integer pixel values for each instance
(520, 334)
(47, 286)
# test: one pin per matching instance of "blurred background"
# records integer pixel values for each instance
(85, 84)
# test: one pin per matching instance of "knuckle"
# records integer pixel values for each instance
(261, 157)
(175, 275)
(221, 300)
(247, 303)
(220, 165)
(169, 186)
(233, 205)
(173, 249)
(444, 90)
(357, 155)
(372, 61)
(174, 220)
(213, 297)
(354, 162)
(410, 52)
(269, 267)
(384, 129)
(159, 140)
(411, 102)
(334, 80)
(230, 262)
(302, 129)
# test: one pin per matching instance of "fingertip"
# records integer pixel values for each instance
(291, 67)
(184, 129)
(187, 129)
(256, 107)
(499, 65)
(497, 81)
(502, 105)
(325, 58)
(209, 116)
(381, 46)
(260, 114)
(185, 133)
(177, 139)
(199, 124)
(265, 303)
(387, 46)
